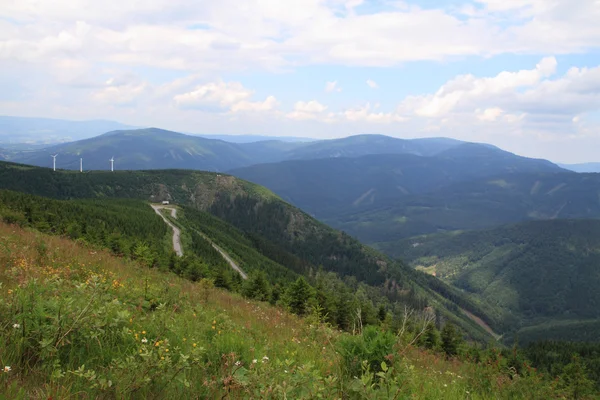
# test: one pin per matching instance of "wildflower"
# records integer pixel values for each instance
(156, 344)
(143, 332)
(144, 340)
(214, 321)
(254, 361)
(167, 350)
(7, 369)
(237, 363)
(16, 326)
(265, 358)
(445, 385)
(285, 370)
(162, 358)
(213, 327)
(184, 339)
(194, 345)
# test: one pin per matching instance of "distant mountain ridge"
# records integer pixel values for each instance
(583, 167)
(153, 148)
(331, 187)
(49, 130)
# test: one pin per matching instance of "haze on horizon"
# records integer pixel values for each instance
(520, 74)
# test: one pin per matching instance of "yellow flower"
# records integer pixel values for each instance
(143, 332)
(214, 322)
(184, 339)
(194, 345)
(213, 327)
(156, 344)
(162, 358)
(167, 350)
(219, 332)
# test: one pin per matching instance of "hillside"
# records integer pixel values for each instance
(478, 204)
(332, 187)
(141, 149)
(269, 226)
(544, 275)
(83, 323)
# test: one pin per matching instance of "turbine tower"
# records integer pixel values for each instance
(81, 165)
(54, 161)
(112, 164)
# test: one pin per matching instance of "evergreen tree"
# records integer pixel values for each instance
(574, 379)
(299, 295)
(257, 287)
(451, 340)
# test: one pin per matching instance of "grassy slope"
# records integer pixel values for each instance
(147, 334)
(536, 273)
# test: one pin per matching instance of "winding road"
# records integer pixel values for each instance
(176, 231)
(177, 238)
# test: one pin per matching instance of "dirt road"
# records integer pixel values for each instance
(176, 231)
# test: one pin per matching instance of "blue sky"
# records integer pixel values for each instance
(520, 74)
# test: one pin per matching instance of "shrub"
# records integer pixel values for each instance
(372, 346)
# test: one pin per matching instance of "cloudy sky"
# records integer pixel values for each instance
(521, 74)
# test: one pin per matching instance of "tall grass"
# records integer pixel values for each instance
(77, 322)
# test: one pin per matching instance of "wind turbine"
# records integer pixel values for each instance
(112, 164)
(54, 161)
(81, 165)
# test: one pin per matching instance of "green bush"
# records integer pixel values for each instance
(372, 346)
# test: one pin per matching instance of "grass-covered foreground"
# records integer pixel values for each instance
(76, 322)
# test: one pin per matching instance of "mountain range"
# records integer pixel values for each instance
(153, 148)
(447, 207)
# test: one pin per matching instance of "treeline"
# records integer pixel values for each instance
(562, 357)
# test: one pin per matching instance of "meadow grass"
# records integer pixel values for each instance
(78, 322)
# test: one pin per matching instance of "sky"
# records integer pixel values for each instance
(521, 74)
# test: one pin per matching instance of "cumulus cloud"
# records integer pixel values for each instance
(365, 113)
(332, 87)
(372, 84)
(231, 96)
(469, 92)
(306, 110)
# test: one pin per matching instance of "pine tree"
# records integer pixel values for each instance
(574, 379)
(257, 287)
(299, 294)
(451, 340)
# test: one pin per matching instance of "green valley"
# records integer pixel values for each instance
(541, 276)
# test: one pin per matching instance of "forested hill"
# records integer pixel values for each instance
(331, 187)
(542, 275)
(275, 227)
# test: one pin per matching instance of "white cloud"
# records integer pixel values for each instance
(489, 114)
(269, 104)
(332, 87)
(231, 96)
(365, 113)
(372, 84)
(466, 91)
(307, 110)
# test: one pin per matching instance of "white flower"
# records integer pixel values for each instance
(16, 326)
(285, 370)
(254, 361)
(265, 358)
(7, 369)
(237, 363)
(445, 385)
(144, 340)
